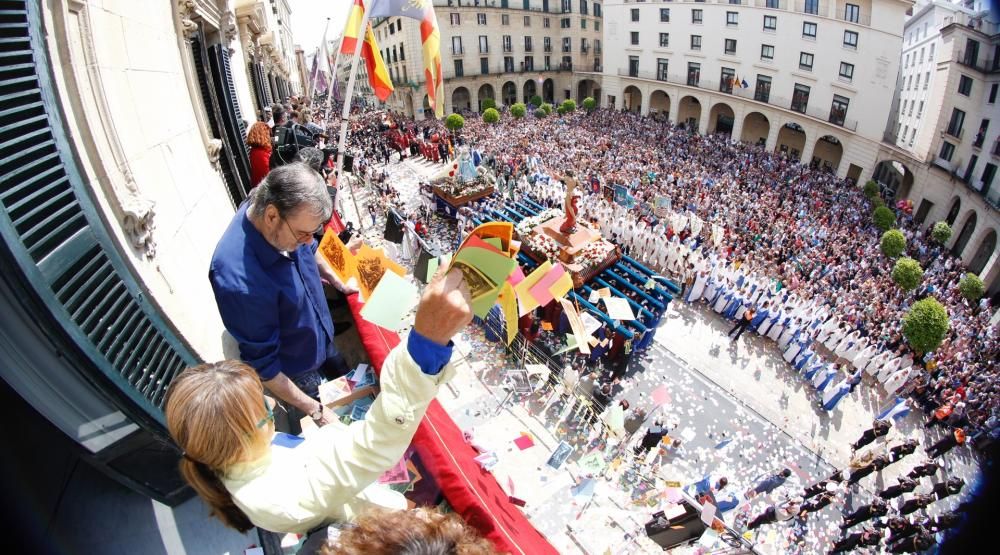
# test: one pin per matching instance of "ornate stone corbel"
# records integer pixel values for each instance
(229, 30)
(138, 224)
(185, 10)
(214, 150)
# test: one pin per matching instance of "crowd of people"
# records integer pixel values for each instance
(748, 230)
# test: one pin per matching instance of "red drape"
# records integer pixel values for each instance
(473, 492)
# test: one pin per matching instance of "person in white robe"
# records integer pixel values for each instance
(788, 332)
(897, 380)
(836, 337)
(877, 362)
(847, 344)
(864, 357)
(889, 369)
(698, 287)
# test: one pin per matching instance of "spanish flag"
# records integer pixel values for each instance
(378, 74)
(430, 37)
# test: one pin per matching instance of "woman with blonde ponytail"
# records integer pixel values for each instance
(219, 418)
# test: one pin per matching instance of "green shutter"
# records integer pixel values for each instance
(55, 243)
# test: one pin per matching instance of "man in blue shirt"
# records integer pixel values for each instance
(266, 273)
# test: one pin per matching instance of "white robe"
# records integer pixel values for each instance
(786, 335)
(698, 287)
(775, 332)
(877, 362)
(846, 344)
(864, 357)
(889, 369)
(897, 380)
(792, 351)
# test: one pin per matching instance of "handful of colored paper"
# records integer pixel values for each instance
(487, 259)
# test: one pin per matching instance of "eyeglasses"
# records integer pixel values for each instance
(268, 415)
(302, 236)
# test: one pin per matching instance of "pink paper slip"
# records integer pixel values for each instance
(541, 291)
(523, 442)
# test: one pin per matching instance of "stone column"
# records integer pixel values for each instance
(807, 150)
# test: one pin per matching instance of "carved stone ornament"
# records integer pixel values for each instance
(137, 223)
(185, 10)
(228, 27)
(214, 150)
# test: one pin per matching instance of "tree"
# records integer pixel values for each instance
(871, 190)
(569, 106)
(589, 104)
(893, 243)
(971, 287)
(536, 101)
(490, 115)
(547, 107)
(925, 325)
(539, 113)
(907, 273)
(561, 110)
(489, 103)
(518, 110)
(884, 218)
(941, 232)
(454, 122)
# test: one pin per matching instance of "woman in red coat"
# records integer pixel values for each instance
(259, 140)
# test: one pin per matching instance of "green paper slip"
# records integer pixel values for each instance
(570, 345)
(391, 300)
(495, 242)
(495, 267)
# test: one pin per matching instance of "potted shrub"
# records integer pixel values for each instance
(589, 104)
(926, 325)
(518, 110)
(907, 273)
(941, 232)
(490, 115)
(893, 243)
(971, 287)
(884, 218)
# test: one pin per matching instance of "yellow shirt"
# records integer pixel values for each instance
(331, 475)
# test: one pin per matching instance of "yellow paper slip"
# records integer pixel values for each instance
(527, 301)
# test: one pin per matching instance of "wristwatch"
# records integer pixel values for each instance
(318, 413)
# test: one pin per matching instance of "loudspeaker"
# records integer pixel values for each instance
(675, 531)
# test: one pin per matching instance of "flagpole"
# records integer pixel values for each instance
(346, 113)
(311, 84)
(333, 71)
(316, 73)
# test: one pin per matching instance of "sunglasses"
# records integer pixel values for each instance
(268, 415)
(303, 236)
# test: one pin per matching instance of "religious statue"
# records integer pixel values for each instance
(466, 167)
(569, 206)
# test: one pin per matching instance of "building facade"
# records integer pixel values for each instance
(507, 51)
(124, 158)
(813, 79)
(942, 149)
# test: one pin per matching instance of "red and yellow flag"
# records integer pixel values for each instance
(430, 38)
(378, 74)
(352, 28)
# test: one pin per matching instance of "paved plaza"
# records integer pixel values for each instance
(739, 409)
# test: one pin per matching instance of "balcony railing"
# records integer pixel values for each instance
(745, 94)
(861, 19)
(457, 51)
(814, 8)
(774, 4)
(957, 133)
(980, 63)
(980, 138)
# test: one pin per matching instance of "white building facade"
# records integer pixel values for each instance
(811, 78)
(507, 51)
(943, 148)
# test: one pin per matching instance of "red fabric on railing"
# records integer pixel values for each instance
(471, 491)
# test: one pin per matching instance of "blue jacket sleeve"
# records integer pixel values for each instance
(428, 355)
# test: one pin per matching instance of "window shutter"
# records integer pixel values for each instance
(56, 246)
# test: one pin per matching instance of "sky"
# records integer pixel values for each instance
(309, 20)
